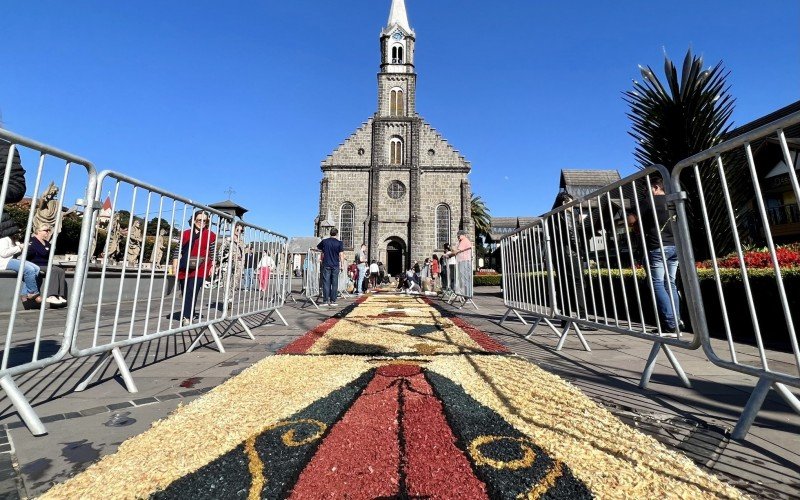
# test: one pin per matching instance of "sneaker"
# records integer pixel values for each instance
(333, 304)
(186, 322)
(53, 300)
(63, 300)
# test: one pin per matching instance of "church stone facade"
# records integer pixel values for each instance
(395, 184)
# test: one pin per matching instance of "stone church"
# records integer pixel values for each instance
(395, 184)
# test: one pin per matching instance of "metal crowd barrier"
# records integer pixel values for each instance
(136, 299)
(582, 264)
(720, 181)
(464, 289)
(311, 278)
(344, 281)
(131, 251)
(266, 292)
(41, 337)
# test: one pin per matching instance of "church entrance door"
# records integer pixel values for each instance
(394, 257)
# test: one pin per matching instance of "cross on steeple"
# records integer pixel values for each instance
(230, 192)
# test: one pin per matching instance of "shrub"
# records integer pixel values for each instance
(487, 279)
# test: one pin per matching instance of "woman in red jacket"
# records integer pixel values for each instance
(194, 262)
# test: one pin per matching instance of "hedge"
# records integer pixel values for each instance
(765, 296)
(487, 279)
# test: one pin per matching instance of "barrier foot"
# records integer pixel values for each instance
(534, 324)
(565, 332)
(246, 329)
(751, 410)
(99, 365)
(579, 333)
(473, 303)
(508, 311)
(552, 327)
(23, 407)
(651, 365)
(214, 336)
(676, 365)
(520, 317)
(283, 320)
(788, 396)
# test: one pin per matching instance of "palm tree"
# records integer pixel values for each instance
(480, 217)
(673, 121)
(688, 115)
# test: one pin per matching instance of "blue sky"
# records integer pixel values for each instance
(195, 96)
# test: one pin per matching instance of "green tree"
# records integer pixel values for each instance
(481, 218)
(671, 121)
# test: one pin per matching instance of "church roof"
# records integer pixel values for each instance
(398, 16)
(301, 244)
(107, 204)
(501, 226)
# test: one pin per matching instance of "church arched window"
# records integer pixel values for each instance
(396, 151)
(397, 54)
(396, 107)
(442, 225)
(347, 215)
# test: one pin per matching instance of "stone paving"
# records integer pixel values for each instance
(85, 426)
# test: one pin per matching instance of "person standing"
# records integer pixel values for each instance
(332, 257)
(249, 266)
(193, 262)
(361, 262)
(657, 225)
(463, 257)
(374, 270)
(265, 267)
(451, 267)
(435, 271)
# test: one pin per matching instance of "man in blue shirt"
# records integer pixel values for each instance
(332, 255)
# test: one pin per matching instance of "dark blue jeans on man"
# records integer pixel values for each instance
(330, 284)
(664, 285)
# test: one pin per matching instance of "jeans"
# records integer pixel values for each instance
(451, 276)
(29, 285)
(362, 275)
(247, 279)
(668, 309)
(191, 289)
(330, 284)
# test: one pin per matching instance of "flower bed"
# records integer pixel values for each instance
(477, 425)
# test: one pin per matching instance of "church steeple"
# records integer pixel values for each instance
(397, 41)
(398, 16)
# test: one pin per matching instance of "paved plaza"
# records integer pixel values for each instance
(85, 426)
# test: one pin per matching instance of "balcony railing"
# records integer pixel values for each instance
(784, 214)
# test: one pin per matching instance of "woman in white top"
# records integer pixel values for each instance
(30, 289)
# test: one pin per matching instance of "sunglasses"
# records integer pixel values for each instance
(46, 230)
(204, 221)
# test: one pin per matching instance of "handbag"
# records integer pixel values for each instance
(190, 262)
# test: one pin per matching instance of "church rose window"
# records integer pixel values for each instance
(396, 190)
(442, 225)
(346, 218)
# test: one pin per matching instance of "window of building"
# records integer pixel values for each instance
(397, 54)
(396, 151)
(396, 190)
(442, 225)
(396, 107)
(347, 215)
